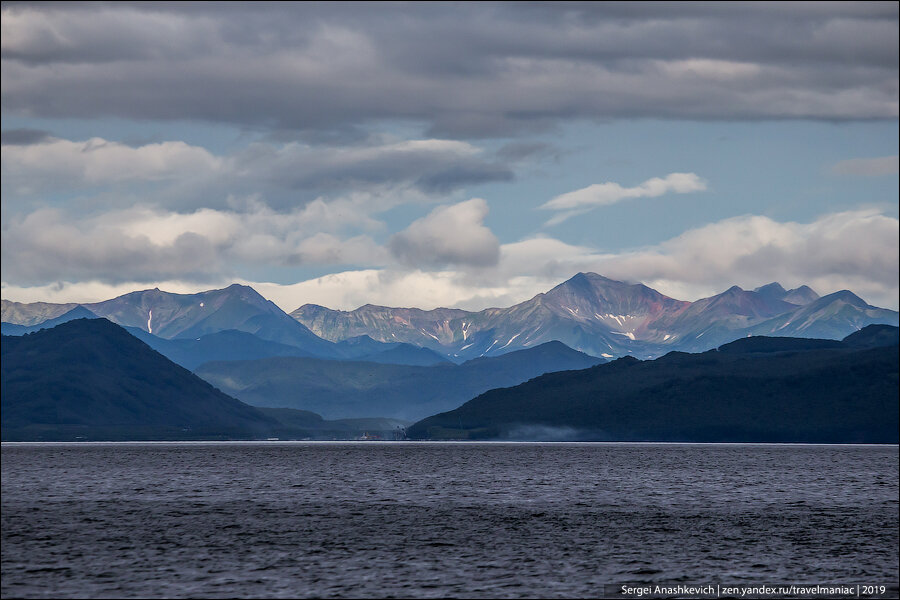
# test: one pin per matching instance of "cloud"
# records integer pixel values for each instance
(196, 214)
(147, 245)
(309, 67)
(601, 194)
(447, 258)
(853, 250)
(45, 246)
(352, 289)
(868, 167)
(62, 292)
(282, 176)
(449, 235)
(430, 165)
(49, 163)
(390, 287)
(517, 151)
(529, 267)
(23, 137)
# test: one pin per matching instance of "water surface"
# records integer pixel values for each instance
(439, 519)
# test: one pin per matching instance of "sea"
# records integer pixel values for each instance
(444, 519)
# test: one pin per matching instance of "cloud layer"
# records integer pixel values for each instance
(465, 70)
(854, 250)
(147, 245)
(868, 167)
(282, 176)
(339, 115)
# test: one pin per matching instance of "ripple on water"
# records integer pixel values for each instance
(438, 520)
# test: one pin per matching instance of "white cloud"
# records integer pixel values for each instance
(546, 258)
(196, 214)
(420, 289)
(63, 164)
(855, 250)
(707, 68)
(47, 246)
(163, 228)
(85, 292)
(852, 250)
(868, 167)
(144, 244)
(564, 216)
(449, 235)
(600, 194)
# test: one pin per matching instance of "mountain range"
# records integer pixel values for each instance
(758, 389)
(91, 379)
(188, 316)
(234, 323)
(590, 313)
(608, 318)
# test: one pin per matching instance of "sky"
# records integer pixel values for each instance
(461, 155)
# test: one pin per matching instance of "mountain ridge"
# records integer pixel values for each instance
(589, 312)
(608, 318)
(172, 316)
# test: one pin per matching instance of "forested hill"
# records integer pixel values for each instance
(752, 390)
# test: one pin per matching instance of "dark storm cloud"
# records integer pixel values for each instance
(23, 137)
(469, 70)
(431, 165)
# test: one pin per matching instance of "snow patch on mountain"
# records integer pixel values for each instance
(509, 342)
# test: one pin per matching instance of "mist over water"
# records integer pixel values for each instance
(440, 519)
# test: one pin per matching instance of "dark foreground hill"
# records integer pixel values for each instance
(90, 378)
(752, 390)
(342, 389)
(79, 312)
